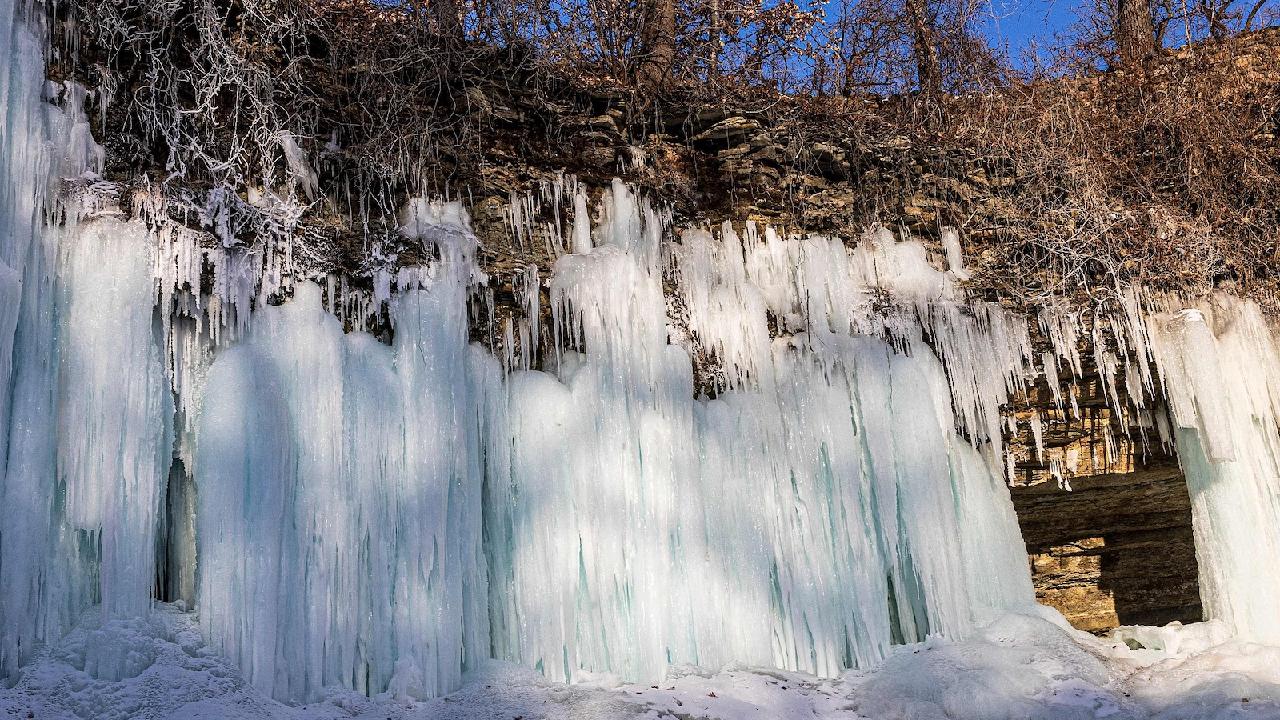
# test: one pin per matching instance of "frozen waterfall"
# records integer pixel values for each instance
(732, 445)
(818, 510)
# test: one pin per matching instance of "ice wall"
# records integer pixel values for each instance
(378, 518)
(869, 338)
(90, 438)
(820, 508)
(1221, 375)
(83, 416)
(339, 511)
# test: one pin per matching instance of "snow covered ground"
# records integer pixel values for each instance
(1022, 667)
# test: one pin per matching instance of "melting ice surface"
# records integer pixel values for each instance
(344, 513)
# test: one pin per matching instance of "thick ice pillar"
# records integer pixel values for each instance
(339, 484)
(115, 408)
(74, 491)
(27, 545)
(1221, 373)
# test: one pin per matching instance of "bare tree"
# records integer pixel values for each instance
(924, 46)
(1113, 33)
(1135, 36)
(933, 46)
(1223, 18)
(657, 43)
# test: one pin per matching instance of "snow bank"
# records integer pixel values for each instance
(1019, 667)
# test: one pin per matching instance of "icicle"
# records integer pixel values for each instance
(1037, 435)
(300, 170)
(955, 255)
(1062, 329)
(528, 292)
(724, 312)
(821, 508)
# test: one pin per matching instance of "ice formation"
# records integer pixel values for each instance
(1203, 377)
(114, 408)
(84, 420)
(182, 415)
(1221, 374)
(818, 510)
(339, 528)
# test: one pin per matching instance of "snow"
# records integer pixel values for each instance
(1019, 667)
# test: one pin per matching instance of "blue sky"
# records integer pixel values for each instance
(1017, 24)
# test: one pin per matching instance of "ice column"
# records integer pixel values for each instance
(27, 541)
(114, 407)
(1221, 373)
(82, 418)
(339, 513)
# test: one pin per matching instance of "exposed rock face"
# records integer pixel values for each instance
(1116, 549)
(840, 168)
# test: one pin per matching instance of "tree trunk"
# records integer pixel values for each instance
(1134, 32)
(658, 39)
(928, 66)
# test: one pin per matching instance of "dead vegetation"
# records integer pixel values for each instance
(1167, 175)
(1166, 172)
